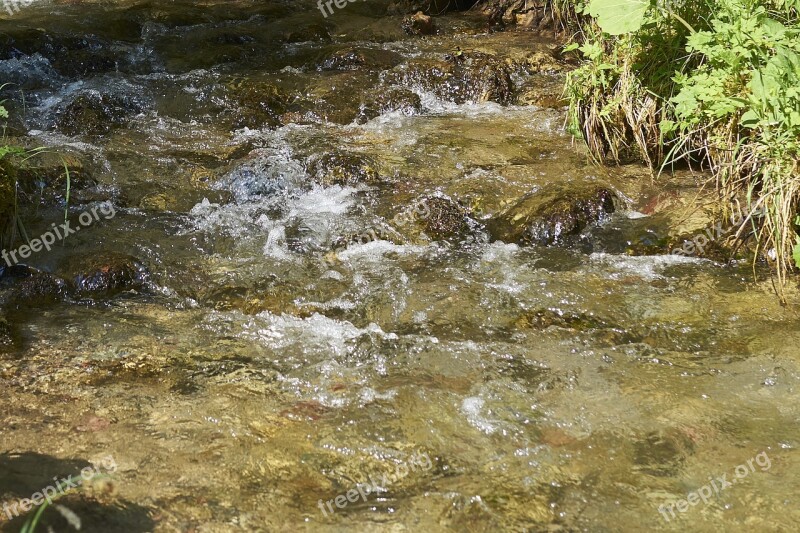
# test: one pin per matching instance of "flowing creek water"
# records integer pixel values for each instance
(293, 338)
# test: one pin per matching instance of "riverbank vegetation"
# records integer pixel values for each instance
(8, 180)
(713, 84)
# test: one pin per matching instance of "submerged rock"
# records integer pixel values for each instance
(312, 32)
(662, 453)
(105, 274)
(82, 56)
(548, 216)
(542, 90)
(335, 98)
(93, 113)
(71, 56)
(180, 200)
(545, 318)
(8, 337)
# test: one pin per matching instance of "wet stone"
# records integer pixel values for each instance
(402, 7)
(73, 57)
(419, 24)
(92, 113)
(551, 215)
(541, 90)
(105, 274)
(391, 100)
(360, 58)
(341, 168)
(334, 98)
(444, 218)
(258, 105)
(662, 453)
(22, 285)
(463, 78)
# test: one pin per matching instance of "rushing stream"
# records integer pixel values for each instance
(321, 308)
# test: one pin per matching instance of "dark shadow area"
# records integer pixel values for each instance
(24, 474)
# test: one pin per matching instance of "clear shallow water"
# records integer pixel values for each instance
(552, 389)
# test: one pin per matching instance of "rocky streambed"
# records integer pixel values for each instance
(344, 244)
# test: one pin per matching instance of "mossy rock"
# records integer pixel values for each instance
(462, 78)
(357, 58)
(545, 318)
(260, 104)
(550, 215)
(105, 274)
(445, 218)
(340, 168)
(390, 100)
(93, 113)
(26, 287)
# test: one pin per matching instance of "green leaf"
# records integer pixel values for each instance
(796, 253)
(3, 112)
(619, 16)
(667, 126)
(750, 119)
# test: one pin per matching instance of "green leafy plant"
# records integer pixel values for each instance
(616, 17)
(708, 82)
